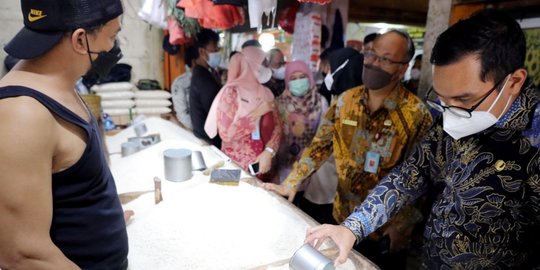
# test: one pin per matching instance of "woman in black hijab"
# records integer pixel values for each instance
(346, 67)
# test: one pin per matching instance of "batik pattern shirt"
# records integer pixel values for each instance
(486, 214)
(350, 131)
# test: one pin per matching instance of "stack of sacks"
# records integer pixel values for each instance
(123, 101)
(116, 97)
(152, 102)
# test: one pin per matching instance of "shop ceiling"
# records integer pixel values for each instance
(414, 12)
(409, 12)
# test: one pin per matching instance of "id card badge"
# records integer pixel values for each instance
(350, 122)
(256, 134)
(372, 162)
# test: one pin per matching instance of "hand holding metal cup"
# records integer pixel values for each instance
(309, 258)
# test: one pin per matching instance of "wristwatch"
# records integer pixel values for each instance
(270, 150)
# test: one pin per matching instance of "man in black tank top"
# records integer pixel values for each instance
(59, 205)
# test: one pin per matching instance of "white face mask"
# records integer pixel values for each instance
(264, 75)
(459, 127)
(279, 73)
(329, 79)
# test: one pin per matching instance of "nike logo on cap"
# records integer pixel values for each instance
(35, 15)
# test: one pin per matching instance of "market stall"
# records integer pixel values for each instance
(201, 225)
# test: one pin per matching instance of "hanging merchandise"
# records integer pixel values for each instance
(213, 16)
(239, 3)
(257, 8)
(320, 2)
(191, 9)
(337, 41)
(307, 35)
(153, 12)
(189, 26)
(287, 17)
(176, 33)
(168, 46)
(222, 16)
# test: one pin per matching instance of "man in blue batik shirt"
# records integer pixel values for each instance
(481, 158)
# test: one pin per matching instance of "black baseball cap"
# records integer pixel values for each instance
(46, 21)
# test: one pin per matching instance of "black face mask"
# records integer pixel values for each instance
(104, 62)
(375, 78)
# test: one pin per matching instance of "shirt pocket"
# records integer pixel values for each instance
(347, 133)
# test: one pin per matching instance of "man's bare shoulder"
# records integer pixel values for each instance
(24, 117)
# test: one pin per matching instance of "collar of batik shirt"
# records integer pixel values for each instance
(390, 102)
(520, 112)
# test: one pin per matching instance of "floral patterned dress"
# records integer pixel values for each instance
(238, 141)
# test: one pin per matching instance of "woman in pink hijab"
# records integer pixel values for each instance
(238, 108)
(302, 109)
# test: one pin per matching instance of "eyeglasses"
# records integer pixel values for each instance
(456, 110)
(370, 57)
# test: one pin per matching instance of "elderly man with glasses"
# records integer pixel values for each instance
(369, 129)
(480, 160)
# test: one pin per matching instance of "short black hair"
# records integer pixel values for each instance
(418, 57)
(190, 54)
(494, 37)
(205, 37)
(410, 44)
(325, 55)
(272, 51)
(232, 54)
(251, 42)
(370, 37)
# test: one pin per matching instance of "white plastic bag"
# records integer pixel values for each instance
(257, 8)
(153, 12)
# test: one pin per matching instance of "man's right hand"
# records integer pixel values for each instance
(341, 235)
(281, 190)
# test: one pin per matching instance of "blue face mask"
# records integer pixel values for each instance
(214, 59)
(299, 87)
